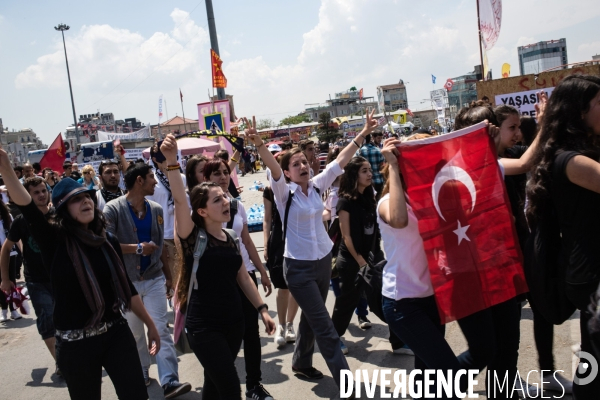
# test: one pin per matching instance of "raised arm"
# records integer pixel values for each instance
(254, 138)
(234, 159)
(349, 151)
(18, 193)
(393, 211)
(185, 225)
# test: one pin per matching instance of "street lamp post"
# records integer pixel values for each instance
(62, 28)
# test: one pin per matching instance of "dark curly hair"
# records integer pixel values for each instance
(562, 128)
(476, 112)
(349, 182)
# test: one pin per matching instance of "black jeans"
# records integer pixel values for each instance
(416, 321)
(493, 336)
(349, 296)
(81, 364)
(252, 350)
(216, 348)
(543, 332)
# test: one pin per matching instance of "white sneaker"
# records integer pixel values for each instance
(556, 382)
(15, 315)
(290, 335)
(279, 339)
(4, 316)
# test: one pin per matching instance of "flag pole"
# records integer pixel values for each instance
(183, 112)
(480, 47)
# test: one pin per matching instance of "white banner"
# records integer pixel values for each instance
(143, 133)
(522, 101)
(490, 21)
(133, 154)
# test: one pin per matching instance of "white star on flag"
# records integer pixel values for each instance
(461, 232)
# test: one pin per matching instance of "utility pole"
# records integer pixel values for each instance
(214, 41)
(62, 28)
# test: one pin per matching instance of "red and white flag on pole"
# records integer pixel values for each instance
(457, 192)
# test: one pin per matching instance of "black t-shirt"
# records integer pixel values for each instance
(579, 217)
(276, 246)
(362, 223)
(71, 310)
(32, 257)
(217, 301)
(515, 188)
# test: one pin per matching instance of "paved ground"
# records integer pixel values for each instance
(26, 368)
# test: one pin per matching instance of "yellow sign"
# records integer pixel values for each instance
(400, 118)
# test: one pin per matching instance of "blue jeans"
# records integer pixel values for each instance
(43, 304)
(154, 296)
(416, 321)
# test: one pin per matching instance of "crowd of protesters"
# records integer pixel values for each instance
(105, 255)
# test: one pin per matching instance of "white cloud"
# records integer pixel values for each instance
(106, 55)
(587, 50)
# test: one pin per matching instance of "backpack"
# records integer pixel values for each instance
(180, 339)
(544, 273)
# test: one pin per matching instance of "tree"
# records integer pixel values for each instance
(265, 123)
(327, 131)
(293, 120)
(353, 89)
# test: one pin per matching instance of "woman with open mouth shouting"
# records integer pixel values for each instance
(307, 255)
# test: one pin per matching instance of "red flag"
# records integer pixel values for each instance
(457, 192)
(55, 155)
(448, 85)
(219, 80)
(360, 94)
(410, 112)
(180, 95)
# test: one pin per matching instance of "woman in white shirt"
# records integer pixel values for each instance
(408, 302)
(307, 254)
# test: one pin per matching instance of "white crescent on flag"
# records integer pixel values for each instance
(449, 173)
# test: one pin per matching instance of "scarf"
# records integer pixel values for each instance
(108, 196)
(87, 278)
(165, 182)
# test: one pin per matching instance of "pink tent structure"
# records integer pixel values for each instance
(191, 146)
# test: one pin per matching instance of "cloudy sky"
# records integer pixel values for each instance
(278, 55)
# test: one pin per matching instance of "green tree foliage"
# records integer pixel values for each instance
(327, 131)
(265, 123)
(293, 120)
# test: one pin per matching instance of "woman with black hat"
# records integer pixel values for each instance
(90, 289)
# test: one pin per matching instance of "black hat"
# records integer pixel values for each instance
(66, 189)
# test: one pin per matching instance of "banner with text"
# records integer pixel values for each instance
(523, 101)
(143, 133)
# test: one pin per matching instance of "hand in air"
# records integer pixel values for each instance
(390, 151)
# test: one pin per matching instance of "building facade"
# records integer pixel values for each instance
(538, 57)
(18, 143)
(344, 104)
(393, 96)
(464, 89)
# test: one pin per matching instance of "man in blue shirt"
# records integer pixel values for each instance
(138, 223)
(370, 151)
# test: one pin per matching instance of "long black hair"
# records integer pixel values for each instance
(562, 128)
(66, 224)
(349, 182)
(6, 219)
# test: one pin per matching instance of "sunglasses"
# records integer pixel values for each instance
(109, 161)
(87, 173)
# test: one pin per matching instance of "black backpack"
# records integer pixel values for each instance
(233, 208)
(545, 274)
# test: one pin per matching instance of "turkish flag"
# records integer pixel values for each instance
(219, 80)
(55, 155)
(360, 94)
(457, 192)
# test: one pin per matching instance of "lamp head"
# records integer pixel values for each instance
(62, 27)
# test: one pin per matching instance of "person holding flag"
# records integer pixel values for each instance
(307, 254)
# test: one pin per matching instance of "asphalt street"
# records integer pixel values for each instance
(27, 368)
